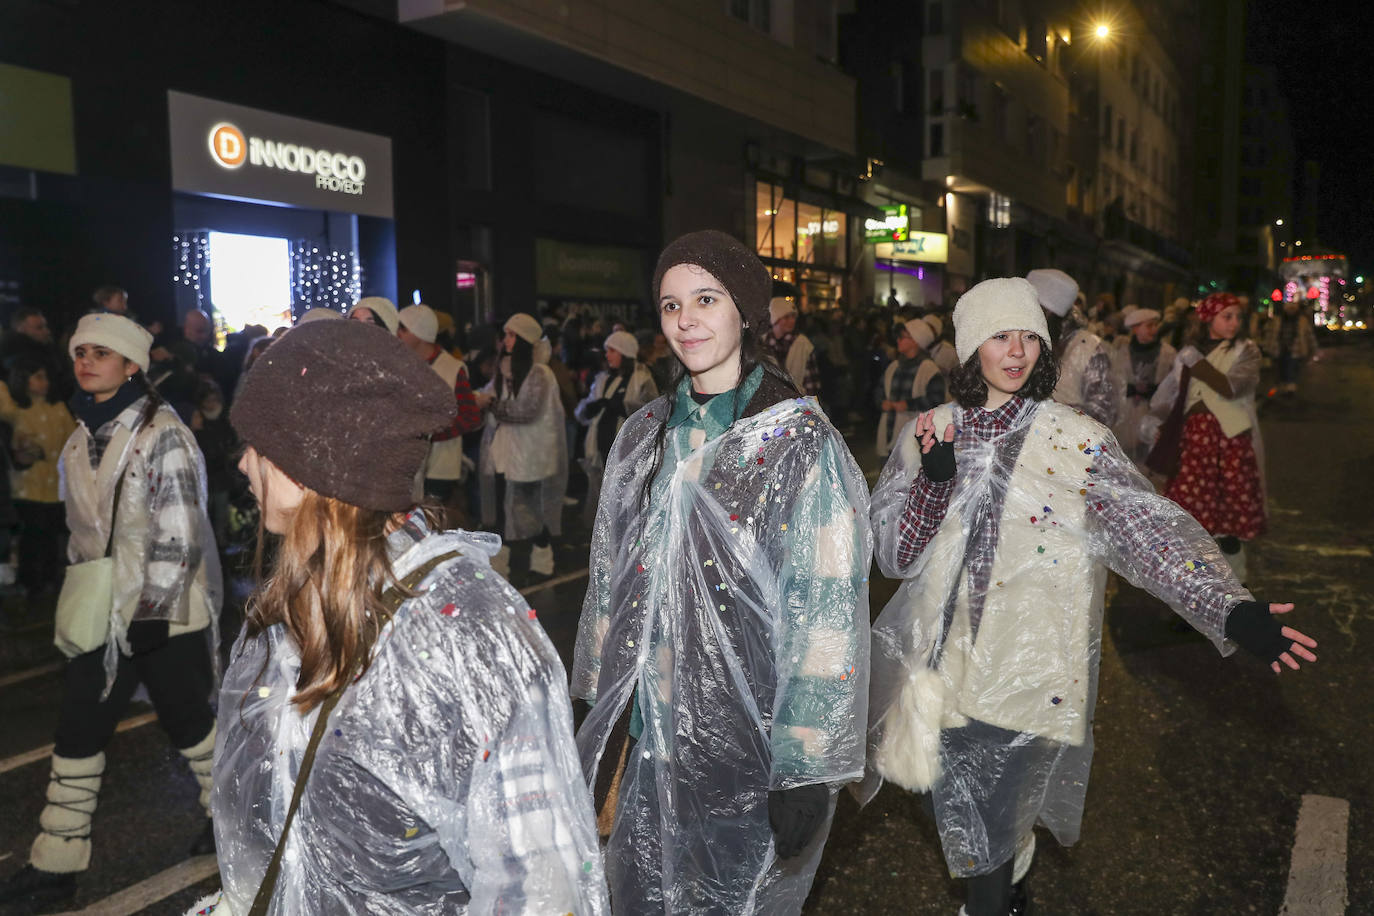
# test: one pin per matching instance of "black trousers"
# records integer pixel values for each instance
(178, 677)
(41, 526)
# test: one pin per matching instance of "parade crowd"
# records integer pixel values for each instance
(388, 728)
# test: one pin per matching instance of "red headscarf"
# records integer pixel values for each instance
(1214, 305)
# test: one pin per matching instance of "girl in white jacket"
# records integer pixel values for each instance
(524, 458)
(616, 393)
(1003, 513)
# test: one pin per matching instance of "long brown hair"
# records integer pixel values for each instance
(329, 572)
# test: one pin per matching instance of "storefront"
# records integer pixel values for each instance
(803, 243)
(275, 215)
(912, 269)
(600, 281)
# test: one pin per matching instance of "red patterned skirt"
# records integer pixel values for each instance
(1218, 480)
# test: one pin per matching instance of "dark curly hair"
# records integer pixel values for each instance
(967, 386)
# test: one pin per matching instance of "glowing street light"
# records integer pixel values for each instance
(1102, 31)
(1278, 222)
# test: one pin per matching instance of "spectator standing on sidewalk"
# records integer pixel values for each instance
(1002, 514)
(417, 328)
(41, 424)
(723, 640)
(378, 310)
(133, 467)
(524, 458)
(386, 677)
(618, 391)
(942, 351)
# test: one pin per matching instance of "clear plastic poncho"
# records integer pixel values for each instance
(446, 782)
(985, 662)
(734, 611)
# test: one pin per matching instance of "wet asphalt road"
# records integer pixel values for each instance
(1201, 763)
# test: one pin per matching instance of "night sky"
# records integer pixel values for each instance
(1325, 56)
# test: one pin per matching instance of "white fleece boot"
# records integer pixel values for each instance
(501, 562)
(541, 560)
(201, 758)
(64, 844)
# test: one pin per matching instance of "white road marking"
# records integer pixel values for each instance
(43, 753)
(1316, 879)
(558, 580)
(145, 893)
(1325, 550)
(21, 676)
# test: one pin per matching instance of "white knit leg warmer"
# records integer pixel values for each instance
(1025, 854)
(64, 842)
(201, 758)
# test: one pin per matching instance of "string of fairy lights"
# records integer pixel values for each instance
(320, 277)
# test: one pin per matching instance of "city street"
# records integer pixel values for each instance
(1202, 768)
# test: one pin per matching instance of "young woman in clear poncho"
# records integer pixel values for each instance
(1003, 513)
(388, 687)
(133, 484)
(723, 641)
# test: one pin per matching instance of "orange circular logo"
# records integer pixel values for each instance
(227, 145)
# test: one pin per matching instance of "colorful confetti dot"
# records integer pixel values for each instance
(264, 692)
(411, 831)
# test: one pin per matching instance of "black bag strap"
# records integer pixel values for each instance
(114, 510)
(392, 599)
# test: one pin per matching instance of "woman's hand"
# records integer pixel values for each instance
(483, 399)
(937, 456)
(1251, 625)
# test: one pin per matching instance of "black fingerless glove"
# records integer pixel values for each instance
(147, 635)
(796, 815)
(938, 463)
(1254, 629)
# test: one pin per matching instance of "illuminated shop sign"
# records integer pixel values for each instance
(246, 153)
(922, 247)
(893, 228)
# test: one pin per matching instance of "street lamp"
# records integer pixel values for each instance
(1103, 30)
(1278, 222)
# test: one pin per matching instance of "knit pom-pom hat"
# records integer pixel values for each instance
(345, 409)
(993, 306)
(106, 329)
(727, 259)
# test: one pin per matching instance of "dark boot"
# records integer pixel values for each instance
(1020, 899)
(205, 843)
(37, 890)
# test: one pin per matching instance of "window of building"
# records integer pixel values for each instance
(1135, 147)
(820, 235)
(935, 17)
(1107, 124)
(937, 90)
(470, 124)
(1036, 35)
(776, 221)
(968, 88)
(758, 13)
(999, 211)
(937, 140)
(1121, 136)
(999, 112)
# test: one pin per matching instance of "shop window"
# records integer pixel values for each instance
(776, 219)
(820, 235)
(250, 280)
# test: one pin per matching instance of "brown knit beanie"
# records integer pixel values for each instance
(745, 278)
(344, 408)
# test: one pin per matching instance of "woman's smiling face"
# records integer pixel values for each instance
(703, 326)
(1006, 359)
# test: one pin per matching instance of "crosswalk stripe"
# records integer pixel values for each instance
(145, 893)
(1316, 879)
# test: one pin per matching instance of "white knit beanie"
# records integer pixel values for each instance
(380, 306)
(1140, 316)
(993, 306)
(319, 313)
(780, 307)
(624, 343)
(935, 323)
(1056, 289)
(421, 321)
(525, 327)
(106, 329)
(921, 332)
